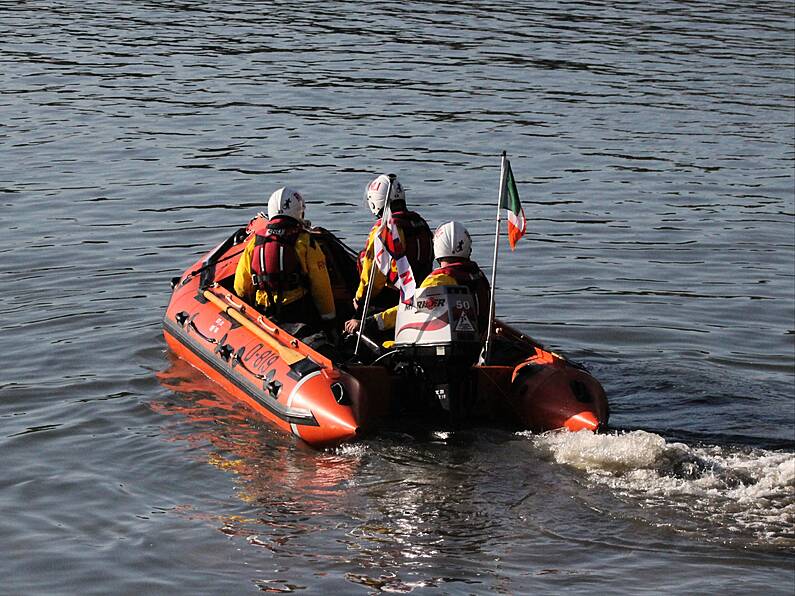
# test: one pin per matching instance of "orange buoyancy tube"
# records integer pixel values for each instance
(549, 392)
(261, 364)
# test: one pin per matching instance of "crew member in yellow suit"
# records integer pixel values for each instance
(452, 246)
(283, 270)
(415, 236)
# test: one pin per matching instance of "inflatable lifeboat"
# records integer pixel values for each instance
(327, 396)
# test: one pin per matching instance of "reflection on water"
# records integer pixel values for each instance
(243, 442)
(408, 511)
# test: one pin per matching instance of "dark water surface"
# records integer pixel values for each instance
(653, 145)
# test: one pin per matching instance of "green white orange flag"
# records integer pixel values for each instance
(509, 200)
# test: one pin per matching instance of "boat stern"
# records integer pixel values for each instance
(329, 395)
(550, 397)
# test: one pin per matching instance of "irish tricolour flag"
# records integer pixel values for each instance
(509, 200)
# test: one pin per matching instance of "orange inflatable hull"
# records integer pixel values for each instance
(304, 393)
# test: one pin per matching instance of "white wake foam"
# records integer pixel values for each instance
(749, 492)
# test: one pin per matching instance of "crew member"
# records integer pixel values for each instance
(415, 236)
(452, 246)
(283, 270)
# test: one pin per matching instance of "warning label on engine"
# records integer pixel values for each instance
(464, 324)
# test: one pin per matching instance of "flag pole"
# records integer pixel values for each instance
(387, 207)
(490, 330)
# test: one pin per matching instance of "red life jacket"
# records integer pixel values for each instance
(275, 266)
(469, 275)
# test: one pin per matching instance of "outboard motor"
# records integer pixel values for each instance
(437, 342)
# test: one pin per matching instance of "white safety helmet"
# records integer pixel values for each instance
(286, 201)
(375, 193)
(452, 240)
